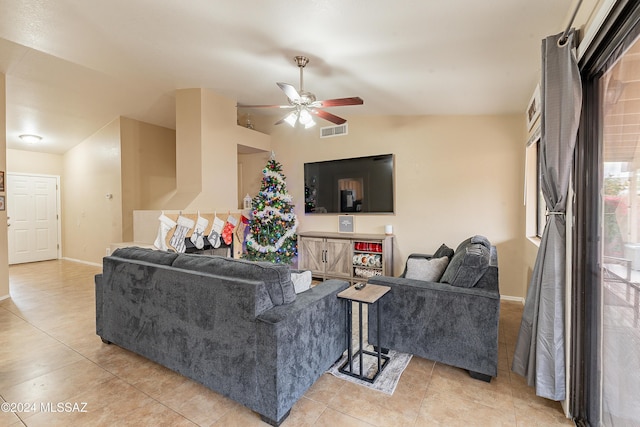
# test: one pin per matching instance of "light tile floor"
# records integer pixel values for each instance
(50, 354)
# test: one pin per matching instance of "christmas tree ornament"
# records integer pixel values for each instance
(166, 224)
(197, 238)
(247, 201)
(183, 226)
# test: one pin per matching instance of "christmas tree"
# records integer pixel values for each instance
(272, 230)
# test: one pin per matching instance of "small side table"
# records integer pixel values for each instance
(369, 295)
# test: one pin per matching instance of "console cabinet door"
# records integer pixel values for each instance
(311, 255)
(338, 257)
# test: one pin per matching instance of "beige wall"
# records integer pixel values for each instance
(148, 168)
(145, 167)
(250, 174)
(31, 162)
(91, 221)
(4, 246)
(456, 176)
(207, 140)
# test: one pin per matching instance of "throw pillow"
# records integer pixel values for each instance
(301, 281)
(468, 265)
(444, 250)
(482, 240)
(429, 270)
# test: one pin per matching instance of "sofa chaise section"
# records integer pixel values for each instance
(222, 330)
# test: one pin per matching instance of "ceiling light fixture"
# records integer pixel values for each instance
(301, 115)
(306, 119)
(30, 139)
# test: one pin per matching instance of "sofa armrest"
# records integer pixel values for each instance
(421, 287)
(297, 343)
(304, 301)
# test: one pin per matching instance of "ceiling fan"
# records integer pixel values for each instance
(305, 105)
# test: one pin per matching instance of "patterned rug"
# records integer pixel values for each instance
(386, 381)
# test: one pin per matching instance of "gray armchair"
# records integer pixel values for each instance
(455, 324)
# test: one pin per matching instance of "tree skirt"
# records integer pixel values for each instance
(386, 381)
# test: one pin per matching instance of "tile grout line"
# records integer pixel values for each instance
(91, 361)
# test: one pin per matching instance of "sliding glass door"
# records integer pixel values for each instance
(606, 331)
(620, 246)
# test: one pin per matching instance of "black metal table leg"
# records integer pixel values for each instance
(382, 360)
(361, 350)
(379, 342)
(349, 336)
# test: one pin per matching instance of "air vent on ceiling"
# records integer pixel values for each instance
(329, 131)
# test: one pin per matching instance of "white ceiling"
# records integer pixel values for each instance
(73, 66)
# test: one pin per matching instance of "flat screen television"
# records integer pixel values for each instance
(361, 185)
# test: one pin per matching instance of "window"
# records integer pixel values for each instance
(541, 205)
(536, 208)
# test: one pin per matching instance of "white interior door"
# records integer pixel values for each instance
(32, 218)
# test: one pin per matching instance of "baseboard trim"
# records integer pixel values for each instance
(4, 297)
(510, 298)
(95, 264)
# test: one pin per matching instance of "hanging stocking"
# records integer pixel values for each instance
(197, 238)
(177, 240)
(216, 229)
(242, 228)
(166, 224)
(227, 231)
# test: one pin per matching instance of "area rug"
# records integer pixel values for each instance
(386, 381)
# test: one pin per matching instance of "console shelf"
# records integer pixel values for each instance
(348, 256)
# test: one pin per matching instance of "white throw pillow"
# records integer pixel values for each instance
(301, 281)
(430, 270)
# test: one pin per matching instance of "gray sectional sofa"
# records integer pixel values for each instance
(235, 326)
(451, 318)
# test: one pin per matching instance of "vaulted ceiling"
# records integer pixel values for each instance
(72, 67)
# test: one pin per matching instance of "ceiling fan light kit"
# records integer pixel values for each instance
(305, 104)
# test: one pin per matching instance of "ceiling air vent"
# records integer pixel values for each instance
(329, 131)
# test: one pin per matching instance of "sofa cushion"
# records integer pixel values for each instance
(430, 270)
(469, 263)
(145, 254)
(444, 250)
(276, 277)
(482, 240)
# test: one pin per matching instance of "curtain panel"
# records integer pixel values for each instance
(540, 349)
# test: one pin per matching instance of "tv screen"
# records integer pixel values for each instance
(351, 186)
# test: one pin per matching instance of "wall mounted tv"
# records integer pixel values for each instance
(361, 185)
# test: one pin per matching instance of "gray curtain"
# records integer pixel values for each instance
(540, 349)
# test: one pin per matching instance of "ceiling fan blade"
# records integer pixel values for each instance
(263, 106)
(290, 91)
(339, 102)
(328, 116)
